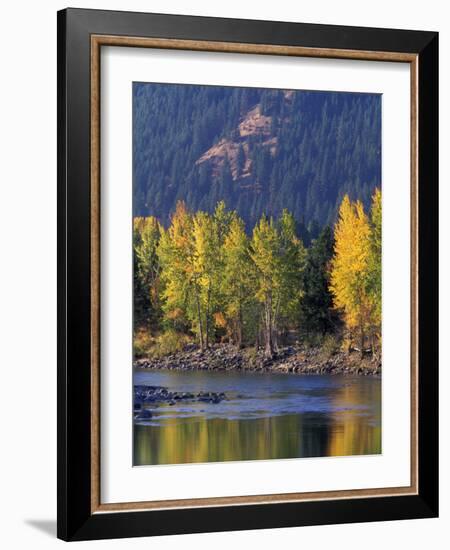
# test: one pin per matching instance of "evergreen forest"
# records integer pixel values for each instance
(258, 150)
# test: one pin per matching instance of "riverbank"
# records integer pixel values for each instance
(290, 359)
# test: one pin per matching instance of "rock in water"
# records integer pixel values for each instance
(158, 394)
(145, 414)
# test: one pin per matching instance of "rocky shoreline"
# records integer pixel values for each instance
(290, 359)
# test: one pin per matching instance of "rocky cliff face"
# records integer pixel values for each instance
(254, 124)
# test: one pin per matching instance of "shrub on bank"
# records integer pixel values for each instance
(166, 343)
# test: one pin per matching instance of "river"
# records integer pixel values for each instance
(265, 416)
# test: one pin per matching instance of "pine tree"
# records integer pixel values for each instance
(317, 301)
(240, 160)
(319, 146)
(146, 276)
(147, 261)
(142, 309)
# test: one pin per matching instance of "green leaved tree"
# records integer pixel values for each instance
(238, 280)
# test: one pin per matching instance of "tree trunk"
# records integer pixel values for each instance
(239, 329)
(275, 326)
(274, 339)
(362, 341)
(268, 352)
(207, 323)
(199, 316)
(257, 335)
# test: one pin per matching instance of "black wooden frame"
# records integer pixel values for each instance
(75, 521)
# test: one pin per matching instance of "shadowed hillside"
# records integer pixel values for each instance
(260, 150)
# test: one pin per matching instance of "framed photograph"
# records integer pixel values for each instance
(247, 253)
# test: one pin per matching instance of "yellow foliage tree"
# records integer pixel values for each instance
(181, 281)
(238, 277)
(190, 251)
(350, 269)
(375, 254)
(206, 267)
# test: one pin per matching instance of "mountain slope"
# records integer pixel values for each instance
(260, 150)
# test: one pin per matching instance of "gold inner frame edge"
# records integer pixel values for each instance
(97, 41)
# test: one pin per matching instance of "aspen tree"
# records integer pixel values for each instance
(350, 267)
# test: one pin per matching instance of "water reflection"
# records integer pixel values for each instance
(264, 417)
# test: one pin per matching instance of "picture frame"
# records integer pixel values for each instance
(81, 36)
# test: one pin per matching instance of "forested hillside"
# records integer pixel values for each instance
(259, 150)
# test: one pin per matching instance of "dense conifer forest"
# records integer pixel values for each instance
(259, 150)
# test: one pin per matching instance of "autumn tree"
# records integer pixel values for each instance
(222, 220)
(350, 268)
(238, 278)
(278, 256)
(204, 274)
(264, 248)
(182, 286)
(374, 267)
(206, 268)
(191, 254)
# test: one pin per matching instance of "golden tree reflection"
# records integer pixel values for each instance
(199, 439)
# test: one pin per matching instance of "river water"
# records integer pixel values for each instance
(264, 416)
